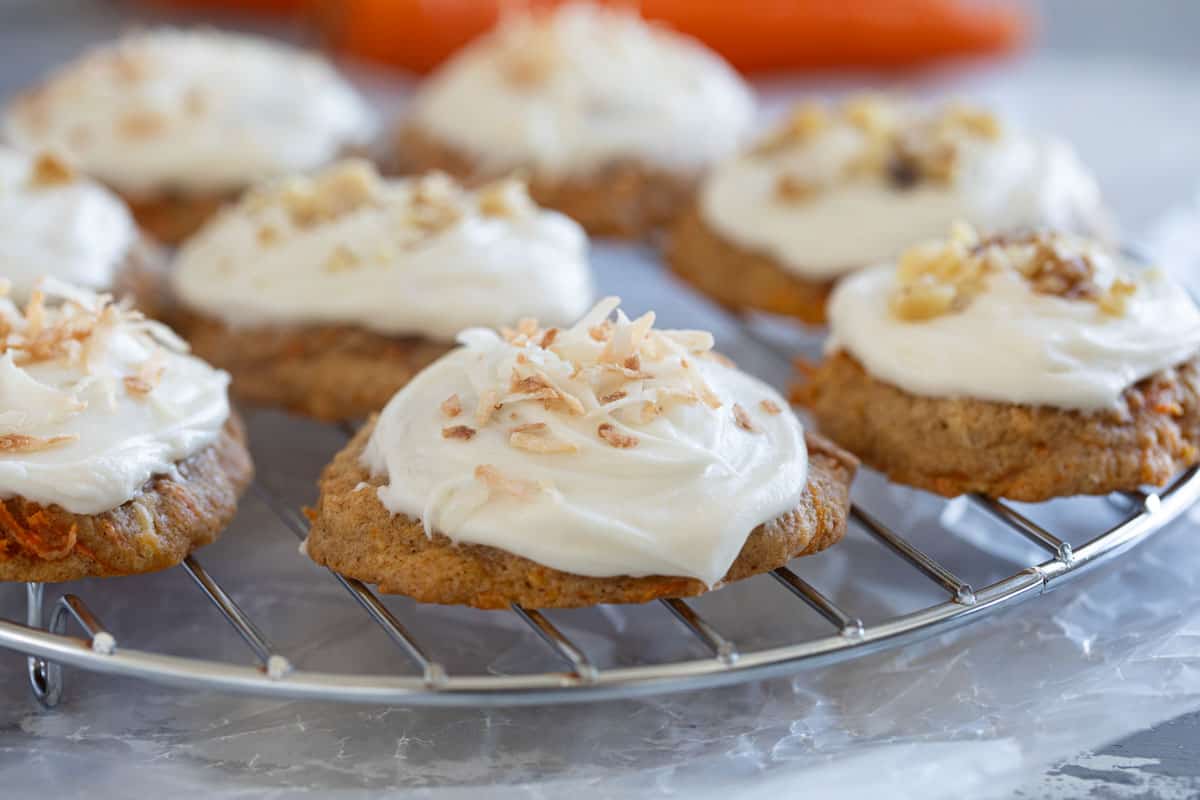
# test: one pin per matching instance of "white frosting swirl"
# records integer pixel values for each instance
(198, 111)
(605, 87)
(70, 228)
(91, 415)
(681, 500)
(410, 257)
(1013, 345)
(1016, 182)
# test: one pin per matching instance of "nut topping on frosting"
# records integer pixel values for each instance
(890, 143)
(96, 399)
(609, 448)
(50, 170)
(942, 278)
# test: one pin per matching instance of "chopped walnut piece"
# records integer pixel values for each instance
(922, 300)
(342, 259)
(267, 235)
(800, 126)
(792, 189)
(531, 62)
(742, 418)
(49, 170)
(609, 433)
(452, 406)
(1115, 301)
(770, 406)
(504, 198)
(18, 443)
(1069, 275)
(464, 432)
(142, 124)
(497, 484)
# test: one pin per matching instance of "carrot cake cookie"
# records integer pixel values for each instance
(1028, 367)
(180, 121)
(608, 462)
(832, 190)
(612, 119)
(118, 450)
(325, 294)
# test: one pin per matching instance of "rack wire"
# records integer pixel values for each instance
(275, 674)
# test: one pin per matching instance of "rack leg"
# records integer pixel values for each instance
(45, 677)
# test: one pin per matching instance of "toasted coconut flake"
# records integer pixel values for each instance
(488, 405)
(602, 332)
(464, 432)
(609, 433)
(633, 363)
(498, 484)
(536, 438)
(148, 376)
(452, 406)
(49, 170)
(548, 338)
(18, 443)
(528, 326)
(770, 406)
(613, 397)
(742, 418)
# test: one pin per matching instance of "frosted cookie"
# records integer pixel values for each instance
(55, 222)
(1026, 367)
(118, 450)
(608, 462)
(325, 294)
(832, 190)
(612, 119)
(178, 122)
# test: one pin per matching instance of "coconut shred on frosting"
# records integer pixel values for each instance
(51, 220)
(607, 448)
(191, 110)
(570, 91)
(1040, 319)
(833, 190)
(417, 256)
(96, 400)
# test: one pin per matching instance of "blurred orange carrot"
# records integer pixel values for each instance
(755, 35)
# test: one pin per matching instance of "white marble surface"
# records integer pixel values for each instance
(973, 713)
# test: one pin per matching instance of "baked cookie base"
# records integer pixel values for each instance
(954, 446)
(170, 517)
(353, 534)
(625, 199)
(741, 279)
(171, 218)
(330, 372)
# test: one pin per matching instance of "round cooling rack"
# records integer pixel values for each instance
(276, 675)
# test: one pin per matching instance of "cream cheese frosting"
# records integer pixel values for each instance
(846, 216)
(191, 110)
(96, 400)
(417, 256)
(53, 222)
(570, 91)
(1073, 333)
(608, 448)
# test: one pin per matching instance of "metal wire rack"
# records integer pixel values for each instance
(275, 674)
